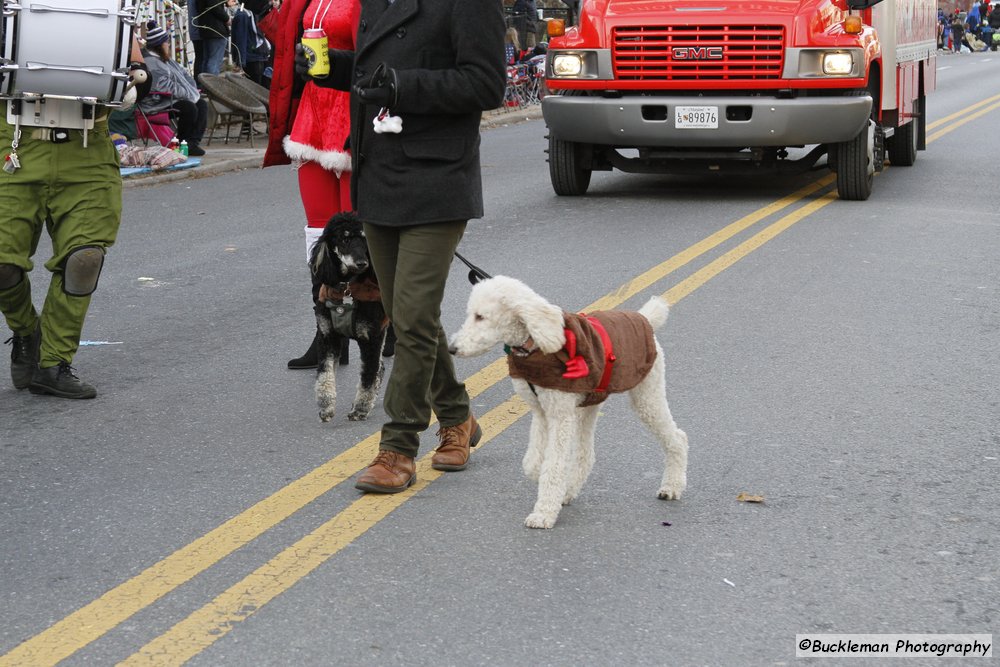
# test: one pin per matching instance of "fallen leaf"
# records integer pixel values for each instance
(747, 498)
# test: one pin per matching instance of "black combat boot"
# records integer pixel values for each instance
(60, 381)
(24, 356)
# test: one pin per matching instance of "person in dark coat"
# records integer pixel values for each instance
(250, 51)
(525, 15)
(420, 77)
(957, 34)
(194, 34)
(213, 24)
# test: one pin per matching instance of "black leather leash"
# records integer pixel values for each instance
(475, 273)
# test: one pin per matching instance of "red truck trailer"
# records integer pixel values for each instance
(730, 86)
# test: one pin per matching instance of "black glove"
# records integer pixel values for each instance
(139, 73)
(301, 63)
(381, 89)
(302, 69)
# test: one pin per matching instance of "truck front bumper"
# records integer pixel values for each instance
(648, 121)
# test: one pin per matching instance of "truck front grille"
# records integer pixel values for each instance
(704, 52)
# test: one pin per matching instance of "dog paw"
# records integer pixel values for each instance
(539, 520)
(357, 415)
(326, 414)
(670, 492)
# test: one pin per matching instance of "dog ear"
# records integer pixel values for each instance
(317, 255)
(324, 264)
(544, 323)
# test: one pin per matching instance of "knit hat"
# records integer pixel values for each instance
(155, 35)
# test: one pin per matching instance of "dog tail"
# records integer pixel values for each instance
(656, 311)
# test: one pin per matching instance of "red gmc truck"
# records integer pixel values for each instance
(730, 86)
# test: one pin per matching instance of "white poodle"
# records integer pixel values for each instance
(561, 451)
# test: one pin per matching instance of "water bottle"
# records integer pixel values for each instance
(173, 145)
(184, 148)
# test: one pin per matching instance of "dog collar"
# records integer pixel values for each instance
(522, 350)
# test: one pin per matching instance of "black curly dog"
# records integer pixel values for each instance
(348, 306)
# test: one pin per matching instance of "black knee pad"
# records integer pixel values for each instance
(10, 276)
(81, 269)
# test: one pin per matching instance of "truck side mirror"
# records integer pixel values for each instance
(862, 4)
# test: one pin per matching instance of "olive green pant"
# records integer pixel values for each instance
(412, 265)
(76, 194)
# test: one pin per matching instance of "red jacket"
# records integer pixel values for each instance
(283, 28)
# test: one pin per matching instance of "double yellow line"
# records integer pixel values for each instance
(215, 619)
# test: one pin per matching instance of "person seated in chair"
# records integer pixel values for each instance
(170, 77)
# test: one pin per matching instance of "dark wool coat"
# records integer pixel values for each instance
(212, 20)
(632, 344)
(448, 55)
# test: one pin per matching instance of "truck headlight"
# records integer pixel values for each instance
(567, 64)
(577, 64)
(812, 63)
(838, 64)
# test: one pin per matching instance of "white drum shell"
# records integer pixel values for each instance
(67, 51)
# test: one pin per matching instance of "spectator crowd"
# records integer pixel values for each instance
(967, 32)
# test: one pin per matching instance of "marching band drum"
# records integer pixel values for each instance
(58, 62)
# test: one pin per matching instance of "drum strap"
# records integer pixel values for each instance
(51, 120)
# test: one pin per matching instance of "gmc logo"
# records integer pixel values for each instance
(697, 52)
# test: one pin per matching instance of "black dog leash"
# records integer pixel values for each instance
(475, 273)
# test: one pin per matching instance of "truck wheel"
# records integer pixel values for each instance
(903, 144)
(855, 171)
(569, 177)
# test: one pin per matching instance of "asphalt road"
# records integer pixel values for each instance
(838, 358)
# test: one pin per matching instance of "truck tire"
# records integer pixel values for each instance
(903, 144)
(854, 171)
(569, 177)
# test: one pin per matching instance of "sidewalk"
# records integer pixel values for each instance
(220, 158)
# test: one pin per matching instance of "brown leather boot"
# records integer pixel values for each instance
(390, 472)
(453, 452)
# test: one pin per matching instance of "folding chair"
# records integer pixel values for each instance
(160, 126)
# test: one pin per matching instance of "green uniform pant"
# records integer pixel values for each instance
(76, 194)
(412, 265)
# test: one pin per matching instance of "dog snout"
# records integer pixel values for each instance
(453, 349)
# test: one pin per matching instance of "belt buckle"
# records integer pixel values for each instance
(59, 135)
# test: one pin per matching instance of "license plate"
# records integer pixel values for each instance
(696, 118)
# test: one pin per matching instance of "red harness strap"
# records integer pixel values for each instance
(609, 355)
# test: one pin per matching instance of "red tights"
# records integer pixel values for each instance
(323, 193)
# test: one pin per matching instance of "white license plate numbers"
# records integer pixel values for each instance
(696, 118)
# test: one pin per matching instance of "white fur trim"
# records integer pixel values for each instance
(337, 161)
(312, 235)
